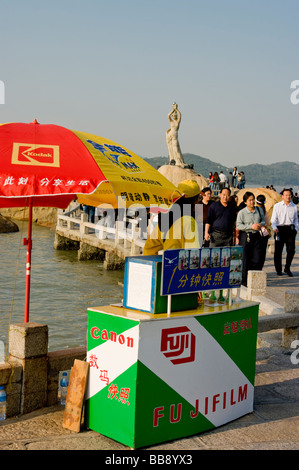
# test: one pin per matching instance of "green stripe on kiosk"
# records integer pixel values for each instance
(155, 377)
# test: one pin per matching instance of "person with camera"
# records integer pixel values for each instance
(250, 220)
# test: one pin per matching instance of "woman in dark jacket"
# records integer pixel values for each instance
(249, 223)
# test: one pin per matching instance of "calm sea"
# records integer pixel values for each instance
(62, 288)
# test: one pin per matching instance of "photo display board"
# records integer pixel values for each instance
(201, 269)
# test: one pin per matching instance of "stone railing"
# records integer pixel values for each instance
(120, 239)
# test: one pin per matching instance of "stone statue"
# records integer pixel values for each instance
(175, 154)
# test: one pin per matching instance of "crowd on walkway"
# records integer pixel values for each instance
(224, 222)
(234, 179)
(248, 224)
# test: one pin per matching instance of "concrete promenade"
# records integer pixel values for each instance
(273, 425)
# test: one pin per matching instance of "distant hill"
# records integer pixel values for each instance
(280, 174)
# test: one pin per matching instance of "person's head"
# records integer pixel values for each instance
(260, 200)
(287, 195)
(231, 200)
(249, 199)
(224, 195)
(206, 194)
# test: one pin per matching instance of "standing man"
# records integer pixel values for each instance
(201, 211)
(230, 180)
(235, 176)
(284, 222)
(222, 178)
(221, 221)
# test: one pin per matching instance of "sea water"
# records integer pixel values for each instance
(62, 288)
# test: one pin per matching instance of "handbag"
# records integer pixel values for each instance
(264, 232)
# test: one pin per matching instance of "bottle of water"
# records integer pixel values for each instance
(63, 388)
(2, 403)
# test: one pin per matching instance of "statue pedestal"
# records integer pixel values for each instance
(176, 174)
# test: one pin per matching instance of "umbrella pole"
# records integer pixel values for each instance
(28, 242)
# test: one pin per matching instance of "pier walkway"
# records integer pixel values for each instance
(273, 425)
(93, 240)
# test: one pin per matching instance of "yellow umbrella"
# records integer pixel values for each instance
(128, 179)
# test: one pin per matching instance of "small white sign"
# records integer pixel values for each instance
(139, 286)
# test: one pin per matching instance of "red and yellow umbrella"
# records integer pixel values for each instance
(48, 165)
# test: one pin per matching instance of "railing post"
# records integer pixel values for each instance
(116, 234)
(83, 228)
(28, 346)
(291, 305)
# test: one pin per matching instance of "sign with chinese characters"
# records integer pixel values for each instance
(195, 270)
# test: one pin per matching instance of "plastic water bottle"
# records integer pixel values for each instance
(63, 388)
(2, 403)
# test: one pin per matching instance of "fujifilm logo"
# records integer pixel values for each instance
(295, 94)
(2, 92)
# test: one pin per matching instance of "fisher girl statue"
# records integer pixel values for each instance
(175, 154)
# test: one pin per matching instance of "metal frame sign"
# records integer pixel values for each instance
(201, 269)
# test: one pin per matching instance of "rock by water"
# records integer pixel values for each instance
(7, 226)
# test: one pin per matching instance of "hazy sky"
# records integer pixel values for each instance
(114, 68)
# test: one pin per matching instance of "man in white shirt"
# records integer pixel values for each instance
(284, 222)
(222, 178)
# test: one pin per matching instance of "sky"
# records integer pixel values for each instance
(114, 68)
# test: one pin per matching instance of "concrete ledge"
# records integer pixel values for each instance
(291, 301)
(64, 359)
(278, 321)
(267, 306)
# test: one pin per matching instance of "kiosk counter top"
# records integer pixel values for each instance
(204, 308)
(158, 377)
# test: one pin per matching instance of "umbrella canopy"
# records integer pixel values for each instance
(48, 165)
(51, 164)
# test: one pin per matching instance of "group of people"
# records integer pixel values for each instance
(249, 226)
(225, 223)
(218, 181)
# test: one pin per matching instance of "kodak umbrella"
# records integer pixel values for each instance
(49, 165)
